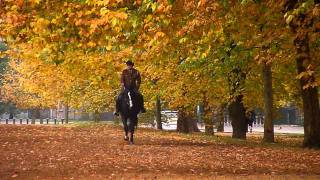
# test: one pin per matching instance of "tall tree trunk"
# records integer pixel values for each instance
(207, 116)
(66, 113)
(301, 25)
(238, 118)
(34, 114)
(158, 113)
(309, 94)
(97, 116)
(186, 124)
(182, 123)
(11, 110)
(220, 118)
(268, 135)
(236, 108)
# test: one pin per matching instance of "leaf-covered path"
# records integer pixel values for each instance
(98, 152)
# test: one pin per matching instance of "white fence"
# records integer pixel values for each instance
(32, 121)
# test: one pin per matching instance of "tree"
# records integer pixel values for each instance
(158, 113)
(54, 58)
(197, 52)
(8, 107)
(268, 100)
(303, 19)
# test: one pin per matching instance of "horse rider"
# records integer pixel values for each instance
(130, 81)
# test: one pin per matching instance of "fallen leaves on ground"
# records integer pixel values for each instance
(31, 151)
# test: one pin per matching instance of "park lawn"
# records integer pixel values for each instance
(97, 151)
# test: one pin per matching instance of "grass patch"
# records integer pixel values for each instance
(88, 124)
(281, 141)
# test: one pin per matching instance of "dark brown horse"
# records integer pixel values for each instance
(130, 106)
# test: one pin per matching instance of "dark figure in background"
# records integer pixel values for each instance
(129, 102)
(251, 118)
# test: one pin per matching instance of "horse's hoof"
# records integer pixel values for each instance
(131, 143)
(126, 138)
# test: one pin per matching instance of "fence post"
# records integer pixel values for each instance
(47, 120)
(62, 120)
(55, 120)
(33, 121)
(41, 121)
(27, 121)
(7, 121)
(20, 121)
(14, 121)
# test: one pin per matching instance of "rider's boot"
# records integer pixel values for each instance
(116, 113)
(143, 109)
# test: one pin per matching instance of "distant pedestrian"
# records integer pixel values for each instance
(251, 118)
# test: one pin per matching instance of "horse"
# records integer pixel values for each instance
(129, 108)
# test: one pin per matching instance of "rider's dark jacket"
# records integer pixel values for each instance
(131, 79)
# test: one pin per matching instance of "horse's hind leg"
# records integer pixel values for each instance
(131, 137)
(132, 125)
(126, 129)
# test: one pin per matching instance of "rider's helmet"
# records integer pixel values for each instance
(130, 63)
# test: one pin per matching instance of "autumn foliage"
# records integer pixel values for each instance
(190, 52)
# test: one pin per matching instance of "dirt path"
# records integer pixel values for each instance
(99, 152)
